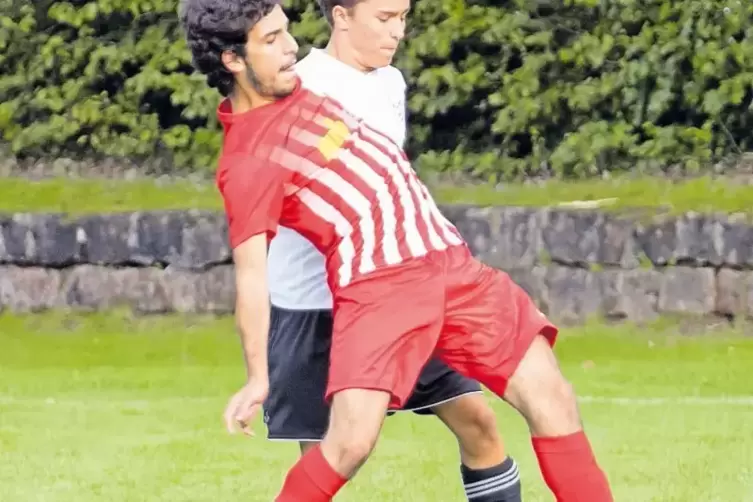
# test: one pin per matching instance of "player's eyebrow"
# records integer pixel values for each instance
(277, 31)
(391, 12)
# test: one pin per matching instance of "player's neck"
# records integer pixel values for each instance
(244, 100)
(344, 52)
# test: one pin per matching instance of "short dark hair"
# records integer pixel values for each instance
(326, 7)
(214, 26)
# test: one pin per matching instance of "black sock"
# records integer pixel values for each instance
(500, 483)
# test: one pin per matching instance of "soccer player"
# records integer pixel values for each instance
(405, 286)
(355, 69)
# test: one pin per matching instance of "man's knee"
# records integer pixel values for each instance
(348, 452)
(539, 390)
(471, 419)
(474, 424)
(355, 421)
(483, 421)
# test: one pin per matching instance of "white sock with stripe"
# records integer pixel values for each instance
(500, 483)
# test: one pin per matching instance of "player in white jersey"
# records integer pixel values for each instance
(355, 70)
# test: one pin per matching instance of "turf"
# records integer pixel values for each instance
(702, 194)
(108, 407)
(78, 196)
(86, 196)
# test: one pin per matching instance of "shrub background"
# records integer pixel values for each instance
(498, 89)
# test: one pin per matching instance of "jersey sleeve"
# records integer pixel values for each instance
(401, 88)
(253, 192)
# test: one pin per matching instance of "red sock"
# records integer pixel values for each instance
(311, 479)
(570, 470)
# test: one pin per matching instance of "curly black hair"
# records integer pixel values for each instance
(214, 26)
(326, 7)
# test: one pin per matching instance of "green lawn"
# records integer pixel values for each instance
(107, 407)
(702, 194)
(80, 195)
(87, 195)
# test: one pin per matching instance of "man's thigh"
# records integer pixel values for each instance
(299, 344)
(490, 323)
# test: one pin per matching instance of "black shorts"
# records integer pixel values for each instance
(299, 343)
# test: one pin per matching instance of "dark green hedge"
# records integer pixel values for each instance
(500, 89)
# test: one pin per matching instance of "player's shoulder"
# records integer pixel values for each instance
(246, 168)
(246, 150)
(235, 164)
(310, 66)
(393, 76)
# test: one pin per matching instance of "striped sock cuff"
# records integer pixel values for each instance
(500, 483)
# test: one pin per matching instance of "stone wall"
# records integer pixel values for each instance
(576, 264)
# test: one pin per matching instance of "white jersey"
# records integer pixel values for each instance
(296, 269)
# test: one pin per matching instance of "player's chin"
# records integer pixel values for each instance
(383, 58)
(285, 85)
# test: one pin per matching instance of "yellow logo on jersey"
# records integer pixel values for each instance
(332, 141)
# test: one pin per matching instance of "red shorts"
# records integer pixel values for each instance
(446, 304)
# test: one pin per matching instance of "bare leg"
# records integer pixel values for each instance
(355, 422)
(356, 418)
(489, 336)
(474, 424)
(488, 474)
(539, 391)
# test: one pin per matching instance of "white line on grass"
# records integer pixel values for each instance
(687, 400)
(163, 400)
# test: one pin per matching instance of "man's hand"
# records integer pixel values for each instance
(252, 316)
(244, 405)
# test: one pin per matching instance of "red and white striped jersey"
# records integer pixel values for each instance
(304, 162)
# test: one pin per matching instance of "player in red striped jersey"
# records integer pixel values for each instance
(355, 69)
(404, 284)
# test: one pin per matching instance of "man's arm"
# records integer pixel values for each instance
(252, 304)
(253, 192)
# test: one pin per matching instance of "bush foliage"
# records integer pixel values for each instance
(498, 89)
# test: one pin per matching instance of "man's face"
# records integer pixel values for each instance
(375, 29)
(270, 56)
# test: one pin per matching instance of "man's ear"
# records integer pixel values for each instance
(340, 18)
(233, 62)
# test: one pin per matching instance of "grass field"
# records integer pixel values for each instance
(89, 195)
(107, 407)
